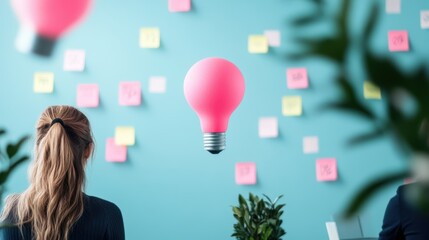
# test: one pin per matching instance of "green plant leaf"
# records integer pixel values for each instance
(5, 174)
(12, 149)
(370, 189)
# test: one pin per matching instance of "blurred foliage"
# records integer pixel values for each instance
(405, 95)
(10, 159)
(258, 219)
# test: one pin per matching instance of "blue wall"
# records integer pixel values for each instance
(171, 188)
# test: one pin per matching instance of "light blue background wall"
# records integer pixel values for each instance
(170, 188)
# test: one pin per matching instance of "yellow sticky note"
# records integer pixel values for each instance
(125, 136)
(292, 105)
(371, 91)
(43, 82)
(150, 37)
(258, 44)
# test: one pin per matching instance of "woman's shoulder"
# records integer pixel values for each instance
(9, 210)
(101, 205)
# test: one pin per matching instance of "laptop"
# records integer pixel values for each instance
(350, 228)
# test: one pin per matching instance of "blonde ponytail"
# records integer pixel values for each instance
(54, 200)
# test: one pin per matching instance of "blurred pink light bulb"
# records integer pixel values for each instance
(214, 87)
(44, 21)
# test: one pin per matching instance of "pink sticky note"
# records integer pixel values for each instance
(326, 169)
(297, 78)
(130, 93)
(398, 41)
(115, 153)
(409, 180)
(245, 173)
(179, 5)
(87, 95)
(268, 127)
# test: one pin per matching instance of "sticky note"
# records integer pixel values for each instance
(310, 144)
(398, 41)
(393, 6)
(74, 60)
(409, 180)
(326, 169)
(292, 105)
(87, 95)
(424, 19)
(157, 84)
(130, 93)
(179, 5)
(125, 136)
(245, 173)
(297, 78)
(115, 153)
(43, 82)
(150, 37)
(268, 127)
(371, 91)
(274, 37)
(257, 44)
(331, 227)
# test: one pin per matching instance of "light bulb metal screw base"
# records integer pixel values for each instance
(29, 41)
(214, 142)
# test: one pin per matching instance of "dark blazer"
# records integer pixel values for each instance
(101, 220)
(402, 221)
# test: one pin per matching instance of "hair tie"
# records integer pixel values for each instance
(58, 120)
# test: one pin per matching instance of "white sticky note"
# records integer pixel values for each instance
(268, 127)
(331, 227)
(310, 144)
(393, 6)
(274, 37)
(74, 60)
(424, 19)
(157, 84)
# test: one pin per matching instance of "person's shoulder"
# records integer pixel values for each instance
(107, 206)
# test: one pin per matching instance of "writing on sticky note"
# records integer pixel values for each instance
(393, 6)
(310, 144)
(87, 95)
(398, 41)
(326, 169)
(257, 44)
(150, 37)
(297, 78)
(130, 93)
(274, 37)
(74, 60)
(245, 173)
(179, 5)
(114, 152)
(157, 84)
(268, 127)
(125, 136)
(292, 106)
(424, 19)
(43, 82)
(371, 91)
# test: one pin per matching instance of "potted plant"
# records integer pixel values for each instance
(258, 218)
(10, 159)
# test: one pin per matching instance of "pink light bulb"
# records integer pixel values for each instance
(44, 21)
(214, 87)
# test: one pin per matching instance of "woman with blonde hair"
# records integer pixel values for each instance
(54, 206)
